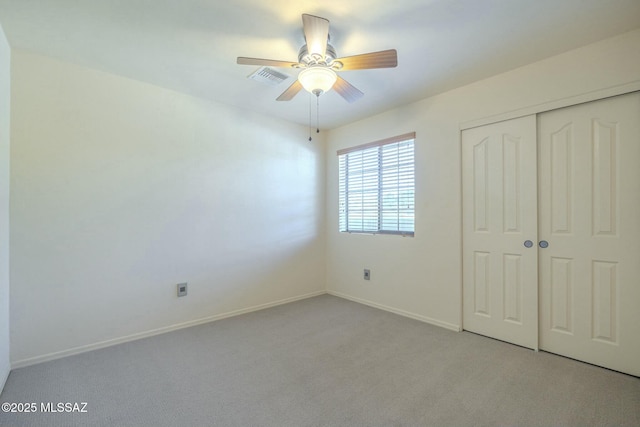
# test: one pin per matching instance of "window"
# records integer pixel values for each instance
(377, 187)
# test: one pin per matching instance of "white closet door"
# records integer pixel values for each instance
(589, 183)
(500, 283)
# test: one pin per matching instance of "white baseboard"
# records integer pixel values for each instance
(102, 344)
(419, 317)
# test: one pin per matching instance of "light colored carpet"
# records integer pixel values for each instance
(323, 361)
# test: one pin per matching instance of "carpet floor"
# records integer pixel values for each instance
(323, 361)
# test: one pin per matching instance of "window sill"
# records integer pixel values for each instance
(384, 233)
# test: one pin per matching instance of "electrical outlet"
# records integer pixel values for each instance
(182, 289)
(367, 274)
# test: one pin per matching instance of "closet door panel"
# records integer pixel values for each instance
(499, 202)
(589, 212)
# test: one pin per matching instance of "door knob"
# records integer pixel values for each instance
(543, 244)
(528, 243)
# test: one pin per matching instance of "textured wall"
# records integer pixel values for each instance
(120, 190)
(5, 81)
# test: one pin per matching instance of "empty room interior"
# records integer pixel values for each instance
(320, 213)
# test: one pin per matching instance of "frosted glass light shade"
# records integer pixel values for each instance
(317, 79)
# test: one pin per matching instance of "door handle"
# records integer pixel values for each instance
(528, 243)
(543, 244)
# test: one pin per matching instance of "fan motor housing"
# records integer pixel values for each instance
(305, 58)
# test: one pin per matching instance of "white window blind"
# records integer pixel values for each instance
(377, 187)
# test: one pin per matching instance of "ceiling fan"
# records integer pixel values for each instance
(318, 63)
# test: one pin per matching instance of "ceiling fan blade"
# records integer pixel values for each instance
(347, 90)
(382, 59)
(268, 62)
(292, 91)
(316, 33)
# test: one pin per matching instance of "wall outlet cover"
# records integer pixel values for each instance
(182, 289)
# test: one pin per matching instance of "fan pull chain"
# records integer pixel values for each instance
(310, 103)
(317, 114)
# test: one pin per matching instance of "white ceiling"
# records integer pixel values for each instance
(191, 45)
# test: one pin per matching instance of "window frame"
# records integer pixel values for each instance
(343, 187)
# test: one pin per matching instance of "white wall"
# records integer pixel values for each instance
(5, 68)
(120, 190)
(421, 276)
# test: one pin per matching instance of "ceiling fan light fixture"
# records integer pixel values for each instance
(317, 80)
